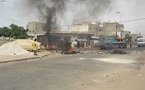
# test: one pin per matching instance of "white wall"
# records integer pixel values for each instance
(80, 28)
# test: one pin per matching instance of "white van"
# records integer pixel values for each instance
(140, 42)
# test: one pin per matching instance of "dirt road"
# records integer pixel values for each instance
(125, 79)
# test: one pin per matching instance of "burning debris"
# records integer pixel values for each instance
(72, 52)
(118, 51)
(67, 49)
(48, 11)
(51, 17)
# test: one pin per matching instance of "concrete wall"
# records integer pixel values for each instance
(125, 32)
(80, 28)
(35, 28)
(93, 27)
(112, 28)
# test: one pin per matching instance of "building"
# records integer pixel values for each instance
(112, 28)
(88, 27)
(123, 33)
(67, 37)
(35, 28)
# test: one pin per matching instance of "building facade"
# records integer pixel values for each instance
(123, 34)
(88, 27)
(35, 28)
(67, 37)
(112, 28)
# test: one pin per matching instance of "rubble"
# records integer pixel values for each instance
(72, 52)
(117, 51)
(13, 49)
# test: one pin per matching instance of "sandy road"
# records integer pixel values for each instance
(91, 70)
(124, 78)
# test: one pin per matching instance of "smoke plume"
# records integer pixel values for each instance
(57, 12)
(47, 10)
(87, 10)
(65, 11)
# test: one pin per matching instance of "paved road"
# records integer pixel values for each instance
(63, 72)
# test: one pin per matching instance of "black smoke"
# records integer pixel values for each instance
(66, 11)
(47, 10)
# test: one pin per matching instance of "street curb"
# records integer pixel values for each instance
(26, 59)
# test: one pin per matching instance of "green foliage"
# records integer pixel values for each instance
(5, 31)
(14, 31)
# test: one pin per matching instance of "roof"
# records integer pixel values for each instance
(72, 33)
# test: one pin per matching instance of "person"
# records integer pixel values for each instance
(46, 45)
(60, 46)
(34, 46)
(78, 44)
(130, 43)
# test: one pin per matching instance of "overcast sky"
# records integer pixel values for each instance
(129, 10)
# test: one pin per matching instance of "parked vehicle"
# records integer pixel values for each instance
(107, 42)
(141, 42)
(121, 42)
(111, 42)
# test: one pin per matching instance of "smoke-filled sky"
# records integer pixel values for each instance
(67, 12)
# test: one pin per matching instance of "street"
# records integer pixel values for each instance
(72, 45)
(84, 71)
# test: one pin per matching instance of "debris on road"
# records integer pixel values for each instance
(72, 52)
(118, 51)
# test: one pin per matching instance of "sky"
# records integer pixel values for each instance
(11, 12)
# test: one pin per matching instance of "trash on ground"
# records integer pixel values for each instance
(118, 51)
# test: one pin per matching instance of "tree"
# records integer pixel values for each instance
(18, 32)
(14, 31)
(4, 31)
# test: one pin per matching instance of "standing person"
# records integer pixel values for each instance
(61, 46)
(130, 43)
(46, 45)
(78, 44)
(34, 47)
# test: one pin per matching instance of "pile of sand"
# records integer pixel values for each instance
(13, 49)
(26, 44)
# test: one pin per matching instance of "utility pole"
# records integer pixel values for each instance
(116, 29)
(113, 15)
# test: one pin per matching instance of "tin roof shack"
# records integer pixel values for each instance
(66, 37)
(47, 42)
